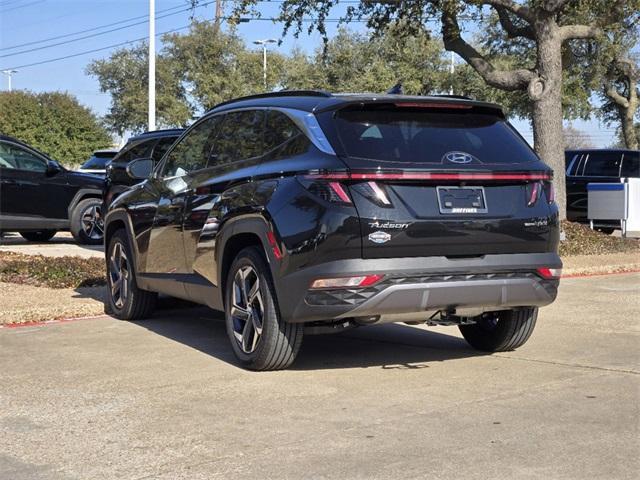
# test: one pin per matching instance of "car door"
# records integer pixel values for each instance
(29, 196)
(224, 189)
(173, 184)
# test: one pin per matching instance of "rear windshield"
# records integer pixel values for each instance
(427, 136)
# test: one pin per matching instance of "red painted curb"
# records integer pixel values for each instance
(597, 274)
(44, 323)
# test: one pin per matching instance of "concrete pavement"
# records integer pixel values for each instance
(164, 399)
(61, 245)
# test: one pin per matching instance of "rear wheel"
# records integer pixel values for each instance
(501, 331)
(606, 230)
(259, 338)
(39, 236)
(86, 222)
(125, 300)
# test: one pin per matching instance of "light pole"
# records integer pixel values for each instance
(152, 65)
(9, 73)
(264, 56)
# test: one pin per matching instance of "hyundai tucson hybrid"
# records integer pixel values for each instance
(39, 197)
(312, 212)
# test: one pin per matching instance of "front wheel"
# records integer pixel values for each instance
(86, 222)
(39, 236)
(501, 331)
(259, 338)
(124, 299)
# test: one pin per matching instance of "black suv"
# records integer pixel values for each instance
(38, 196)
(310, 212)
(599, 166)
(150, 146)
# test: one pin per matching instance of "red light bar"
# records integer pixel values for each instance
(460, 106)
(433, 176)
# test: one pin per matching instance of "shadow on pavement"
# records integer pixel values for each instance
(392, 346)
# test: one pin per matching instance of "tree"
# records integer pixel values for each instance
(622, 90)
(53, 122)
(547, 24)
(124, 75)
(575, 139)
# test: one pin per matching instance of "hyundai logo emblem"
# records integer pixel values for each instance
(460, 157)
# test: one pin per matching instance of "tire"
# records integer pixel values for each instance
(501, 331)
(278, 342)
(39, 236)
(605, 230)
(86, 222)
(126, 301)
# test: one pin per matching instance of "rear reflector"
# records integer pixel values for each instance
(347, 282)
(549, 273)
(274, 245)
(455, 176)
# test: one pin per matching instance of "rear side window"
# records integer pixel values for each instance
(161, 148)
(96, 162)
(426, 136)
(240, 137)
(282, 138)
(631, 165)
(603, 164)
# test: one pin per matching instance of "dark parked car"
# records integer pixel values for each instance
(97, 164)
(39, 197)
(596, 165)
(150, 145)
(310, 212)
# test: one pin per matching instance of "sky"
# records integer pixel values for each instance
(24, 24)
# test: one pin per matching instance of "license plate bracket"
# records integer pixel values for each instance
(461, 200)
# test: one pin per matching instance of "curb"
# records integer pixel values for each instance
(44, 323)
(598, 274)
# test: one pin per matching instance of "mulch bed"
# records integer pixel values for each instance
(581, 240)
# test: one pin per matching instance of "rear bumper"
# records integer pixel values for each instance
(415, 287)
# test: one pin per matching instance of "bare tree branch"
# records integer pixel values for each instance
(505, 80)
(613, 94)
(579, 31)
(513, 30)
(521, 11)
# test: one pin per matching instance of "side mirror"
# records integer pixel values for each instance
(140, 168)
(53, 168)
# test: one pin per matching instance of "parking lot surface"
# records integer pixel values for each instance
(163, 399)
(61, 245)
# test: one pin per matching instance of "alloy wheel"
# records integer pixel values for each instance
(119, 275)
(92, 223)
(247, 309)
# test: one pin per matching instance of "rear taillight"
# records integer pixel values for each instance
(347, 282)
(533, 193)
(549, 191)
(328, 190)
(549, 273)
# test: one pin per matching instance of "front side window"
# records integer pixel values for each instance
(192, 152)
(603, 164)
(161, 148)
(14, 157)
(240, 137)
(282, 138)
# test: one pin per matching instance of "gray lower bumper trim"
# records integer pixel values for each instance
(460, 295)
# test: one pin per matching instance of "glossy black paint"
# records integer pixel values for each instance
(186, 229)
(624, 163)
(43, 196)
(147, 145)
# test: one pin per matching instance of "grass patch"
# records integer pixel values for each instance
(52, 272)
(581, 240)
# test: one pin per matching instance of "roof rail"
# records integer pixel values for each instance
(281, 93)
